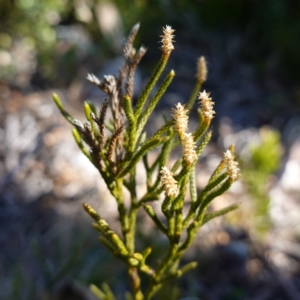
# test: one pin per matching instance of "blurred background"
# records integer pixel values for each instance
(48, 248)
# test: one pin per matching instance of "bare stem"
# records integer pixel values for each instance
(135, 284)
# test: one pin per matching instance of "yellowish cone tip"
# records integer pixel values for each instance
(206, 106)
(167, 40)
(232, 165)
(88, 208)
(188, 149)
(181, 119)
(168, 181)
(172, 73)
(201, 70)
(57, 101)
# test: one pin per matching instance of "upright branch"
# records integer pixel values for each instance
(201, 77)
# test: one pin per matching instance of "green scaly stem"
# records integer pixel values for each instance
(150, 85)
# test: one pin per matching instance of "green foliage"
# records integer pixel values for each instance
(264, 160)
(53, 257)
(31, 23)
(265, 157)
(115, 151)
(104, 294)
(268, 27)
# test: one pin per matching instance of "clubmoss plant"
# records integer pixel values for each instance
(115, 147)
